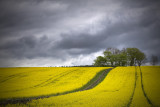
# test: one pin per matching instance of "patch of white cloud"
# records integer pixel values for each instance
(86, 59)
(49, 61)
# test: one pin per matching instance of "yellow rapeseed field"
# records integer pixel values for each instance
(139, 99)
(122, 87)
(151, 83)
(37, 81)
(115, 90)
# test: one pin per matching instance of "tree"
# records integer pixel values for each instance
(140, 57)
(135, 54)
(109, 57)
(100, 61)
(154, 60)
(131, 54)
(122, 59)
(116, 57)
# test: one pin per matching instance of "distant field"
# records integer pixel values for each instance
(123, 86)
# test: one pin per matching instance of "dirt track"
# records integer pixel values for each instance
(98, 80)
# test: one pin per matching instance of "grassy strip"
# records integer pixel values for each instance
(24, 100)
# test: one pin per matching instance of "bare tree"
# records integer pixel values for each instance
(154, 60)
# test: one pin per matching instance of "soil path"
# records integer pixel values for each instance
(97, 80)
(91, 84)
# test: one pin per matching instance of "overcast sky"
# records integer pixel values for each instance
(74, 32)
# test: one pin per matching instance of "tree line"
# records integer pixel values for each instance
(124, 57)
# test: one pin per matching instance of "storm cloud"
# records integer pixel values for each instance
(74, 32)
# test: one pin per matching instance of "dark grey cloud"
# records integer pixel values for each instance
(65, 30)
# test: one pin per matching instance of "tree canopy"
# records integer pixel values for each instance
(124, 57)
